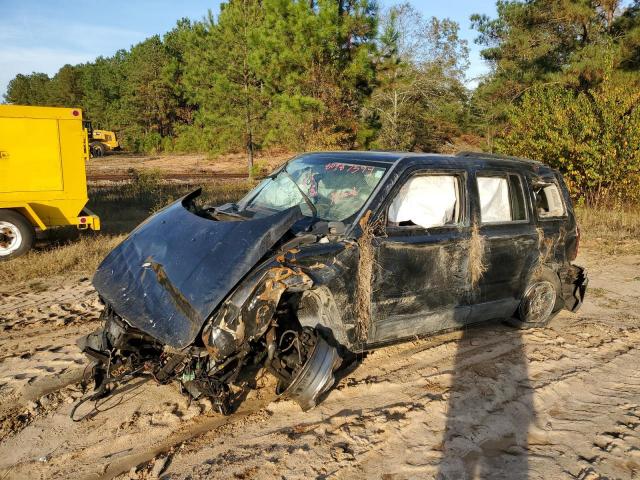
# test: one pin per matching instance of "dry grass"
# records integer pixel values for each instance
(365, 275)
(79, 256)
(609, 223)
(545, 246)
(477, 260)
(610, 231)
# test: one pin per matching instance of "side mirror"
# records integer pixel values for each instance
(336, 228)
(329, 228)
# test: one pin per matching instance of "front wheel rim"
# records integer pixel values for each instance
(10, 238)
(538, 302)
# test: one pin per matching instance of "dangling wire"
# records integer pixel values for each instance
(103, 388)
(295, 340)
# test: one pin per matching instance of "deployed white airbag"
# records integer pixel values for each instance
(494, 199)
(554, 201)
(427, 201)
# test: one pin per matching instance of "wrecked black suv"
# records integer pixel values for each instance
(333, 254)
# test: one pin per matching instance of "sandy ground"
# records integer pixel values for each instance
(121, 162)
(488, 402)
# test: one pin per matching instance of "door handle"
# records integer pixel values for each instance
(4, 154)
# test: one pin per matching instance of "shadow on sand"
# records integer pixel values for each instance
(490, 408)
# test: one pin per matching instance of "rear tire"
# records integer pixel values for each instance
(540, 303)
(16, 235)
(97, 149)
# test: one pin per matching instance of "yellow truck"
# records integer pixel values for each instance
(42, 174)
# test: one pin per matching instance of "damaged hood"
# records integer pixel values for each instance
(173, 270)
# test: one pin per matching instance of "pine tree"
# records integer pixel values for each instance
(316, 65)
(221, 77)
(148, 103)
(420, 97)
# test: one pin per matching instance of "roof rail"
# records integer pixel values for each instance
(497, 156)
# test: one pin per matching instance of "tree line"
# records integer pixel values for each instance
(295, 75)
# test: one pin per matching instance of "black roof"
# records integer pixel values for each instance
(367, 156)
(393, 157)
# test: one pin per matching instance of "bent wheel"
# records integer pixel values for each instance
(538, 302)
(313, 378)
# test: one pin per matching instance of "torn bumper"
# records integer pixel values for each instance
(574, 286)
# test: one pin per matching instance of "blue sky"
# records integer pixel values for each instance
(43, 35)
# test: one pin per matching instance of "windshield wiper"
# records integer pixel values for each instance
(304, 195)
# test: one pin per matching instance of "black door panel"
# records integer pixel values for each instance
(420, 283)
(509, 257)
(510, 253)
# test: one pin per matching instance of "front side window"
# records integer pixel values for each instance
(501, 198)
(426, 201)
(337, 191)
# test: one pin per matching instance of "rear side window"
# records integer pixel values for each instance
(549, 202)
(501, 198)
(426, 201)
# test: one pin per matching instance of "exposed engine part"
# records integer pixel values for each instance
(220, 343)
(304, 367)
(302, 361)
(121, 352)
(197, 382)
(246, 314)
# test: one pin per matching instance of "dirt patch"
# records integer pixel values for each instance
(184, 163)
(489, 402)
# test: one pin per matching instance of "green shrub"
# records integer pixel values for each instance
(151, 143)
(146, 182)
(592, 137)
(260, 169)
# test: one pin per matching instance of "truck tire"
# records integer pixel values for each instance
(97, 149)
(16, 235)
(541, 301)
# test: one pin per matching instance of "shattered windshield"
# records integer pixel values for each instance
(336, 190)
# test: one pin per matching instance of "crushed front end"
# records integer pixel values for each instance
(218, 365)
(120, 352)
(205, 309)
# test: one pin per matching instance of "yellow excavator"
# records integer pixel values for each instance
(101, 142)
